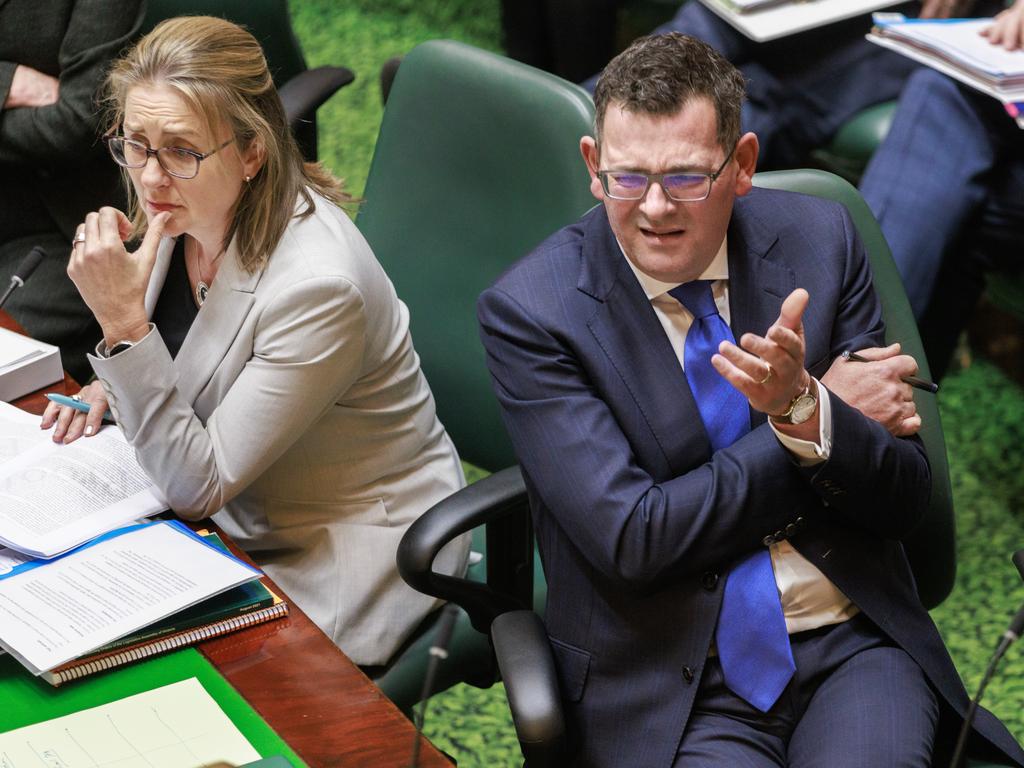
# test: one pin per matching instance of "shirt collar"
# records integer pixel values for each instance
(718, 269)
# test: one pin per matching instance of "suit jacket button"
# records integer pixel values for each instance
(687, 674)
(709, 581)
(791, 529)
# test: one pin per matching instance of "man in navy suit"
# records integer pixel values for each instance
(719, 522)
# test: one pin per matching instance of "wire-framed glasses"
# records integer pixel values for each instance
(177, 161)
(683, 187)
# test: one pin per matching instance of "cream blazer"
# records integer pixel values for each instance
(296, 414)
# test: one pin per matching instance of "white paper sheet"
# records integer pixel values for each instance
(54, 497)
(70, 606)
(176, 726)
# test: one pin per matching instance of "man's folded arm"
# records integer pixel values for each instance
(872, 479)
(631, 528)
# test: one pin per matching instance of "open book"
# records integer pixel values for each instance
(54, 497)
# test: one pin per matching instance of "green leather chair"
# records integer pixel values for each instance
(520, 643)
(302, 90)
(848, 152)
(476, 162)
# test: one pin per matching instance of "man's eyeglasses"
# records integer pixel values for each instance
(177, 161)
(681, 187)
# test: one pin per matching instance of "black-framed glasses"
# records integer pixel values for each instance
(177, 161)
(683, 187)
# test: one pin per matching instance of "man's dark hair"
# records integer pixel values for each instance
(659, 74)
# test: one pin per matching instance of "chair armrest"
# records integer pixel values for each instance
(496, 496)
(306, 91)
(531, 685)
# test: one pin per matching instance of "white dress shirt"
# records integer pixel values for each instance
(809, 599)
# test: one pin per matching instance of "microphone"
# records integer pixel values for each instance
(438, 653)
(24, 271)
(1010, 636)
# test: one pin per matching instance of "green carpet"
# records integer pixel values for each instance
(983, 413)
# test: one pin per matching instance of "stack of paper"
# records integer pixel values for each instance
(26, 365)
(956, 48)
(54, 611)
(74, 578)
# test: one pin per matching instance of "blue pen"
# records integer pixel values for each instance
(78, 405)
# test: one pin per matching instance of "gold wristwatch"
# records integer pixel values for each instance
(801, 407)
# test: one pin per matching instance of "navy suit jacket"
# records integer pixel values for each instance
(634, 515)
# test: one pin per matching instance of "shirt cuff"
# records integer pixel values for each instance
(806, 452)
(101, 348)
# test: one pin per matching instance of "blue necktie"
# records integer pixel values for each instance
(753, 645)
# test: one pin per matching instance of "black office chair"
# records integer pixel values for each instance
(302, 90)
(520, 642)
(476, 162)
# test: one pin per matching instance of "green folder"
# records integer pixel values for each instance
(28, 700)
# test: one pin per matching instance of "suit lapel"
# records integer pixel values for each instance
(626, 328)
(214, 330)
(757, 284)
(158, 276)
(623, 315)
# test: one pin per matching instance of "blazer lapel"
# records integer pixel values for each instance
(214, 330)
(158, 276)
(626, 328)
(757, 284)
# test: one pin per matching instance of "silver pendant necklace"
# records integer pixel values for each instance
(201, 290)
(202, 287)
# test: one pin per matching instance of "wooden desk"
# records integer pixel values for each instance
(301, 684)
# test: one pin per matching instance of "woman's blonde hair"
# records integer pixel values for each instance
(220, 71)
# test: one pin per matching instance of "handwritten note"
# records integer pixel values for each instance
(177, 726)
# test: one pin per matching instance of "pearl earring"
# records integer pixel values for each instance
(248, 179)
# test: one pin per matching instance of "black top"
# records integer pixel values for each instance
(176, 307)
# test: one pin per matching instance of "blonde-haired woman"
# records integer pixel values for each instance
(254, 352)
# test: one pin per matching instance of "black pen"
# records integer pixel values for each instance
(915, 381)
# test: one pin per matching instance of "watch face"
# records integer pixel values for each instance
(803, 408)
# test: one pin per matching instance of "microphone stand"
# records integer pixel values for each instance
(1010, 636)
(438, 653)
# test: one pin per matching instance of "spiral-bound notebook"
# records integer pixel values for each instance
(243, 606)
(98, 662)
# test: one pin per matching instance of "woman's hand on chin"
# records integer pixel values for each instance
(111, 280)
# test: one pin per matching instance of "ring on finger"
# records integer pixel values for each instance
(79, 238)
(77, 398)
(767, 374)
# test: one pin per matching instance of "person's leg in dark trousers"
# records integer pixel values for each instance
(855, 700)
(991, 241)
(928, 178)
(874, 708)
(723, 729)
